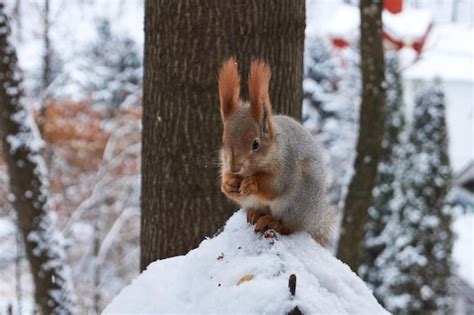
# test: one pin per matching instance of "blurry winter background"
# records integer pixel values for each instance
(82, 62)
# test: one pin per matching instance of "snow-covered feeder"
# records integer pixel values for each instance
(240, 271)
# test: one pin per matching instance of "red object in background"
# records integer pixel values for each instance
(397, 43)
(394, 6)
(339, 42)
(418, 45)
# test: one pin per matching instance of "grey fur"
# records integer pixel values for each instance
(302, 205)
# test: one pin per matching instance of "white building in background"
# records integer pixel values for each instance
(449, 56)
(428, 50)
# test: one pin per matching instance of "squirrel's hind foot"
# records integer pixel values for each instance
(267, 222)
(253, 215)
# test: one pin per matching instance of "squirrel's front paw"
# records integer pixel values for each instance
(248, 186)
(230, 185)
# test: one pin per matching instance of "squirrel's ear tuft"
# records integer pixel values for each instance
(259, 81)
(229, 87)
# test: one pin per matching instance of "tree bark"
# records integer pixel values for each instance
(371, 129)
(185, 43)
(46, 80)
(21, 143)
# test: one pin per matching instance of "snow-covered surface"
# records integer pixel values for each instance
(409, 25)
(345, 23)
(207, 278)
(463, 251)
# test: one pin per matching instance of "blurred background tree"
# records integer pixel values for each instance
(421, 256)
(22, 144)
(115, 66)
(371, 126)
(332, 86)
(387, 192)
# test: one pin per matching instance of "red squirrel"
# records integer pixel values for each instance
(271, 165)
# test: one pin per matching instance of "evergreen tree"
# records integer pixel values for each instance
(387, 190)
(330, 108)
(109, 71)
(116, 66)
(418, 265)
(369, 141)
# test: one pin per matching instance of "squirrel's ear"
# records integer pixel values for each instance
(259, 81)
(229, 87)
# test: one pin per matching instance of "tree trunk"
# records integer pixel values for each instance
(185, 44)
(21, 143)
(371, 129)
(18, 19)
(46, 80)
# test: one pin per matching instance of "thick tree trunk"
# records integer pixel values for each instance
(21, 143)
(185, 43)
(371, 129)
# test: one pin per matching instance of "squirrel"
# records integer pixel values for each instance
(270, 164)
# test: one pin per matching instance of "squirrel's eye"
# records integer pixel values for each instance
(256, 144)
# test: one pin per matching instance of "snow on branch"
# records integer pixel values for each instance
(54, 293)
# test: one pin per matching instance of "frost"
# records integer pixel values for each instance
(11, 197)
(27, 136)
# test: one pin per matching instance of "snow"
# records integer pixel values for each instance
(409, 25)
(449, 54)
(207, 278)
(463, 253)
(319, 15)
(73, 27)
(345, 23)
(7, 231)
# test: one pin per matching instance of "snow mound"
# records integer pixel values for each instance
(240, 271)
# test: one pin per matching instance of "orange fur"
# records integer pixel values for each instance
(268, 222)
(229, 87)
(253, 215)
(265, 186)
(261, 185)
(259, 81)
(231, 186)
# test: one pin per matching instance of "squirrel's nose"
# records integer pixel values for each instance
(235, 168)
